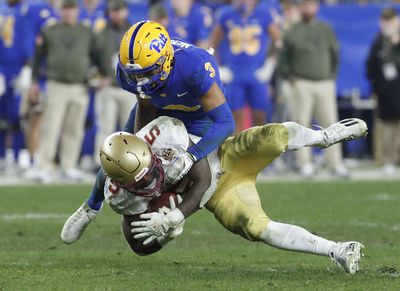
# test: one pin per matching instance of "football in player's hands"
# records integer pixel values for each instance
(162, 201)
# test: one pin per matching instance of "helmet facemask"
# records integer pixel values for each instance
(145, 80)
(149, 183)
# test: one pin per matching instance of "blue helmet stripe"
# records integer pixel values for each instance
(131, 43)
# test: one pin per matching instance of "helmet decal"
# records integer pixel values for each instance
(158, 44)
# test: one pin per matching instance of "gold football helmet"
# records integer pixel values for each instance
(145, 56)
(131, 165)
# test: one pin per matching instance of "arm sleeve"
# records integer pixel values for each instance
(40, 54)
(334, 51)
(223, 125)
(283, 68)
(100, 54)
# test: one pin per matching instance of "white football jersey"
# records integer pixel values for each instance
(167, 138)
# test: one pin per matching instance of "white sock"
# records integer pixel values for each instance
(295, 238)
(300, 136)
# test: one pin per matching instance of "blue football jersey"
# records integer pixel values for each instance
(193, 73)
(16, 37)
(192, 28)
(95, 19)
(41, 13)
(244, 46)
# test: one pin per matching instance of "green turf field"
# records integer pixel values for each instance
(206, 256)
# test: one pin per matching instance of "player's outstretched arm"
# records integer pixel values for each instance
(214, 103)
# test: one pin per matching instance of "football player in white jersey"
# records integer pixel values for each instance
(224, 183)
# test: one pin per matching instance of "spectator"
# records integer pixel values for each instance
(283, 88)
(158, 13)
(309, 59)
(92, 13)
(60, 47)
(383, 71)
(112, 103)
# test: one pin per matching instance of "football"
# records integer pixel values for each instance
(159, 202)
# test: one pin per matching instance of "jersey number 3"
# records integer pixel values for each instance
(209, 68)
(152, 135)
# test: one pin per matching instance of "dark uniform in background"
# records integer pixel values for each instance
(383, 71)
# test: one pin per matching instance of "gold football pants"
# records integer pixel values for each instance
(236, 203)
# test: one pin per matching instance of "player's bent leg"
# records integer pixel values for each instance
(76, 224)
(253, 149)
(137, 244)
(238, 208)
(294, 238)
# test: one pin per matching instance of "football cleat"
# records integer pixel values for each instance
(76, 224)
(348, 256)
(346, 129)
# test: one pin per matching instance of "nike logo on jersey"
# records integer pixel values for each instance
(180, 95)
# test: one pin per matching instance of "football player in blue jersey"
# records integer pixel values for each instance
(41, 14)
(171, 78)
(241, 37)
(15, 53)
(92, 13)
(190, 22)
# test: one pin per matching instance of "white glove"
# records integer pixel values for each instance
(159, 224)
(23, 82)
(264, 74)
(3, 87)
(179, 167)
(225, 75)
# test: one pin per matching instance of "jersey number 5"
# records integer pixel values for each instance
(152, 135)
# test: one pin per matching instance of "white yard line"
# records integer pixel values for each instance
(32, 216)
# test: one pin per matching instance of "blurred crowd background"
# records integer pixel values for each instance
(313, 62)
